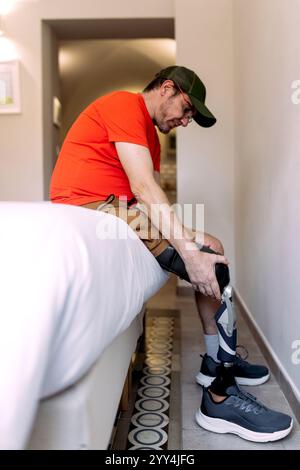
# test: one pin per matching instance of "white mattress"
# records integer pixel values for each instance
(67, 290)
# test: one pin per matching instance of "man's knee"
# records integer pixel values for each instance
(220, 248)
(214, 244)
(209, 240)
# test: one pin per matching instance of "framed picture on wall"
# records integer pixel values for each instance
(10, 100)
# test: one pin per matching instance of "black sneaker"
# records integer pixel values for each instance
(242, 414)
(245, 373)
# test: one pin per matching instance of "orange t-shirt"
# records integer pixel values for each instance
(88, 167)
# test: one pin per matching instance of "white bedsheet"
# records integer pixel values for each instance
(66, 291)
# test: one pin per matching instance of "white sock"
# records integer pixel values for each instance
(212, 346)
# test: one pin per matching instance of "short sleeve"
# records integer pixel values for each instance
(124, 119)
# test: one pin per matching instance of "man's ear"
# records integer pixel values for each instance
(166, 87)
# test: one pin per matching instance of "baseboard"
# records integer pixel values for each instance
(284, 381)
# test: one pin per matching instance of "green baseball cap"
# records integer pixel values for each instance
(191, 84)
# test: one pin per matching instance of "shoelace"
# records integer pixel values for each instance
(251, 400)
(239, 355)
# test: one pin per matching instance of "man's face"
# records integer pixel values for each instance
(175, 109)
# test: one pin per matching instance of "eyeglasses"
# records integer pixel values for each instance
(188, 109)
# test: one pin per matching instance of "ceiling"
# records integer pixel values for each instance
(109, 28)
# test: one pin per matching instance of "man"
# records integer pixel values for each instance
(113, 148)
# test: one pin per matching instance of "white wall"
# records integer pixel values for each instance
(21, 158)
(21, 162)
(205, 157)
(267, 171)
(51, 88)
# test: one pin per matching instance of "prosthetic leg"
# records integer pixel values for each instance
(225, 316)
(226, 324)
(234, 411)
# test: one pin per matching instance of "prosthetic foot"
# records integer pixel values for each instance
(225, 408)
(236, 411)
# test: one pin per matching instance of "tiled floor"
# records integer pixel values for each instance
(150, 420)
(193, 437)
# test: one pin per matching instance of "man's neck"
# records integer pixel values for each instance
(150, 102)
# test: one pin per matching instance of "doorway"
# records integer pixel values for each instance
(84, 59)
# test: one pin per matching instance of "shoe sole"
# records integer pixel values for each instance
(206, 380)
(222, 426)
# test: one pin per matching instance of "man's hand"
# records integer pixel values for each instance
(137, 163)
(201, 270)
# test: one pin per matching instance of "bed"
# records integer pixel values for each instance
(73, 282)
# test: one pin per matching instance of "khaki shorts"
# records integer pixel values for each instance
(138, 221)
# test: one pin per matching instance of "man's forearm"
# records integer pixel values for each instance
(164, 218)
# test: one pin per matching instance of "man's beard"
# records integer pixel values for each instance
(163, 128)
(160, 122)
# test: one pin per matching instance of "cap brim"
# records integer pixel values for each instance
(203, 117)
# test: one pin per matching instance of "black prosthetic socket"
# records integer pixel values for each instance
(223, 381)
(172, 262)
